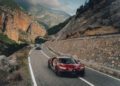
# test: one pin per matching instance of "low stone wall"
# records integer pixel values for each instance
(99, 52)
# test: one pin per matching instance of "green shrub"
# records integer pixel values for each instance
(9, 46)
(5, 39)
(57, 28)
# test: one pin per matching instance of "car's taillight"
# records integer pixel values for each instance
(61, 67)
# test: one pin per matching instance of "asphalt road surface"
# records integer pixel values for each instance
(46, 77)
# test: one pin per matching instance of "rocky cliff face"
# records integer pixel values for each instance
(96, 17)
(18, 26)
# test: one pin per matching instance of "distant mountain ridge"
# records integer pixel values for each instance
(45, 15)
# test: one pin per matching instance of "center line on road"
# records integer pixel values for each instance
(86, 81)
(45, 54)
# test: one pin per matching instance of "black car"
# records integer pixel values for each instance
(38, 48)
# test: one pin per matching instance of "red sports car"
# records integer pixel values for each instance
(66, 65)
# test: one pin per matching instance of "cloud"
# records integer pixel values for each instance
(52, 3)
(55, 4)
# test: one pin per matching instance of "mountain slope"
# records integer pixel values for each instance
(97, 17)
(50, 17)
(16, 24)
(44, 14)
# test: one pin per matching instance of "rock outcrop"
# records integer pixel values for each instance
(18, 26)
(96, 17)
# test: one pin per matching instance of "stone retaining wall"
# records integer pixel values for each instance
(101, 53)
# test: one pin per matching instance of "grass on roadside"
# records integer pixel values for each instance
(8, 46)
(22, 58)
(19, 74)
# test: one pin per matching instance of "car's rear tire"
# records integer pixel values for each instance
(58, 72)
(82, 73)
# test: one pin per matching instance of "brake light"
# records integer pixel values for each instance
(64, 68)
(61, 66)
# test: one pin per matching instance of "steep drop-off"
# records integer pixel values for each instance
(96, 17)
(17, 25)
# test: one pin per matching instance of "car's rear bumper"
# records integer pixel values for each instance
(74, 72)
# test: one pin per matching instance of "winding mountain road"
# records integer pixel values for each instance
(46, 77)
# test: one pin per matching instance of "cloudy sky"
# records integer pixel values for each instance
(68, 6)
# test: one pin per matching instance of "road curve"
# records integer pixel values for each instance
(46, 77)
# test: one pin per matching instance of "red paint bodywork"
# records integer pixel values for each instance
(66, 68)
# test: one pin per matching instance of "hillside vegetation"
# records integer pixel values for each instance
(53, 30)
(96, 17)
(8, 46)
(9, 3)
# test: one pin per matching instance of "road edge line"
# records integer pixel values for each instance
(103, 73)
(31, 71)
(89, 83)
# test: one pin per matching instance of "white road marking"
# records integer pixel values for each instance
(104, 74)
(51, 51)
(45, 54)
(31, 51)
(86, 81)
(31, 71)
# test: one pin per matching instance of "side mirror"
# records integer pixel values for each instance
(78, 61)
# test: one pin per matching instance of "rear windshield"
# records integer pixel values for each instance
(67, 61)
